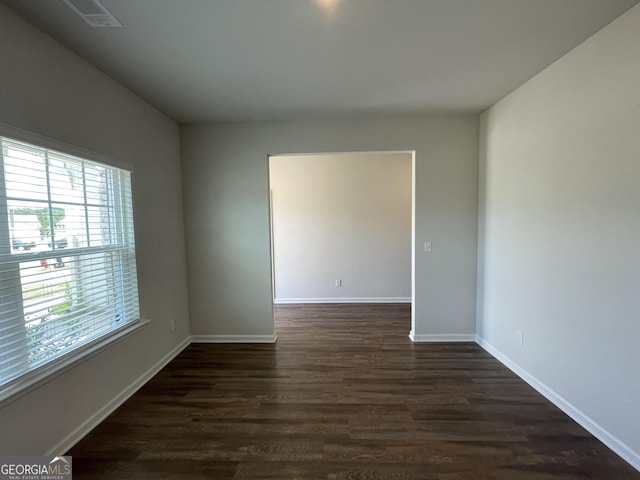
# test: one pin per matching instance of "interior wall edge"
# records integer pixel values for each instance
(619, 447)
(234, 338)
(83, 429)
(441, 337)
(298, 301)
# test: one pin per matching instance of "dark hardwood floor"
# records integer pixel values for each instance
(343, 394)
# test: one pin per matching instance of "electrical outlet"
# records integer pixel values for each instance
(338, 282)
(172, 324)
(520, 338)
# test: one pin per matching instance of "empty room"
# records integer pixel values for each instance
(320, 239)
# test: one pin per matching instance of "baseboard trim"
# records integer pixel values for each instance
(295, 301)
(442, 337)
(80, 432)
(234, 338)
(619, 447)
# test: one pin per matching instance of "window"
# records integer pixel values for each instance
(67, 257)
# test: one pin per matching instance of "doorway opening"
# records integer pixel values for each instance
(342, 228)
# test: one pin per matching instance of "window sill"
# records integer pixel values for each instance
(34, 380)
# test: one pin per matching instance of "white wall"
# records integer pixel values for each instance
(225, 172)
(341, 216)
(47, 90)
(560, 232)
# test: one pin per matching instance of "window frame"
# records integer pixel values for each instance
(42, 374)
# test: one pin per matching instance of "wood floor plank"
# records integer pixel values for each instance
(343, 394)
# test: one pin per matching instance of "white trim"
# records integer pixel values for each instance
(413, 244)
(353, 152)
(76, 435)
(442, 337)
(234, 338)
(287, 301)
(619, 447)
(15, 133)
(48, 372)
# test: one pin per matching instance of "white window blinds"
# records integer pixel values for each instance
(67, 256)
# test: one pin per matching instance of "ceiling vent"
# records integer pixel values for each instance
(93, 12)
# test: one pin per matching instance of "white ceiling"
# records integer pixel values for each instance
(209, 60)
